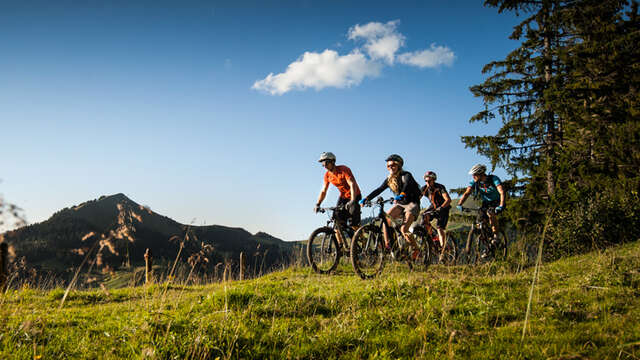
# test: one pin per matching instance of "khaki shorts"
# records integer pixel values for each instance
(412, 208)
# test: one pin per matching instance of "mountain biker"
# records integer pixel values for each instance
(407, 199)
(489, 187)
(440, 203)
(342, 178)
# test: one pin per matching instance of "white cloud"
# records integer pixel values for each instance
(433, 57)
(329, 69)
(382, 40)
(320, 70)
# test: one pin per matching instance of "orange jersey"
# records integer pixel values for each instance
(339, 178)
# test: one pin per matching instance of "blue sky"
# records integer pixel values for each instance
(168, 102)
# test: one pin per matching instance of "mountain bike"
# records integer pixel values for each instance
(479, 247)
(427, 234)
(368, 250)
(323, 248)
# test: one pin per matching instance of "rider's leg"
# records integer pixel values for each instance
(443, 219)
(341, 217)
(409, 218)
(394, 213)
(493, 220)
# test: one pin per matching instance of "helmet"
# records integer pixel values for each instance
(396, 158)
(478, 169)
(430, 174)
(327, 156)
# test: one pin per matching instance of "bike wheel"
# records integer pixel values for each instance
(323, 251)
(501, 250)
(367, 251)
(423, 260)
(483, 251)
(469, 253)
(451, 251)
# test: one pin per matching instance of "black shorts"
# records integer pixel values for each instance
(442, 217)
(490, 204)
(349, 216)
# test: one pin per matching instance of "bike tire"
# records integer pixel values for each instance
(481, 246)
(323, 251)
(451, 251)
(422, 262)
(367, 251)
(471, 254)
(503, 246)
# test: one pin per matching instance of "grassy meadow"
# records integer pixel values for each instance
(582, 307)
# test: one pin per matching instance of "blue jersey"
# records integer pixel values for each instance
(488, 189)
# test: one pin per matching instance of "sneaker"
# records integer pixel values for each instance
(485, 254)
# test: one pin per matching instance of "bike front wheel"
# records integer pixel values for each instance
(470, 253)
(323, 250)
(367, 251)
(501, 246)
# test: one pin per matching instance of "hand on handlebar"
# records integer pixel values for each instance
(498, 209)
(316, 208)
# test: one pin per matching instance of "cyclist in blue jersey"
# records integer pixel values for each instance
(490, 189)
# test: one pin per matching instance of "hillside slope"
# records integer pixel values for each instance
(583, 307)
(116, 231)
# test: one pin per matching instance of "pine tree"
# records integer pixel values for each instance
(600, 100)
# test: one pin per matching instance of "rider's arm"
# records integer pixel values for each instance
(377, 191)
(501, 191)
(323, 193)
(352, 188)
(447, 199)
(465, 195)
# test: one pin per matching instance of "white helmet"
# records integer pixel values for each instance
(327, 156)
(478, 169)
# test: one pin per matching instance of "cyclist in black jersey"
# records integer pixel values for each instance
(407, 198)
(440, 203)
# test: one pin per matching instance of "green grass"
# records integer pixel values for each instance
(583, 307)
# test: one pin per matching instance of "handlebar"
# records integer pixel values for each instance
(333, 208)
(379, 201)
(488, 209)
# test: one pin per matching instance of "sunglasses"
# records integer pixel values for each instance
(392, 166)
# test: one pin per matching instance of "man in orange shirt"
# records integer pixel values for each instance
(342, 178)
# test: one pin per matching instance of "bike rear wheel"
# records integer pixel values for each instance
(323, 251)
(423, 260)
(367, 251)
(450, 252)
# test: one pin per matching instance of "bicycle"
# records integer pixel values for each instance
(368, 251)
(426, 234)
(479, 246)
(323, 248)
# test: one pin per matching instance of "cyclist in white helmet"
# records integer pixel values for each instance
(490, 189)
(342, 178)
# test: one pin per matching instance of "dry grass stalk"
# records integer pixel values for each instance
(75, 276)
(241, 266)
(535, 275)
(148, 262)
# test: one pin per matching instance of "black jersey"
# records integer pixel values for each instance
(435, 194)
(408, 186)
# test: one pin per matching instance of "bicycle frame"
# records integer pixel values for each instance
(387, 222)
(336, 225)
